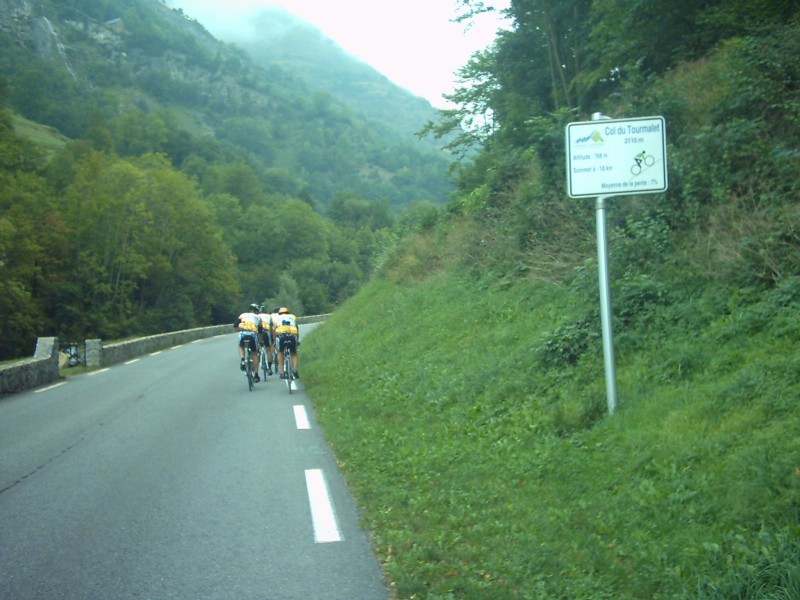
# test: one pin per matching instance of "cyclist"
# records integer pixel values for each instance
(266, 336)
(273, 319)
(286, 334)
(249, 325)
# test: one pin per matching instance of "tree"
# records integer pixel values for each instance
(304, 232)
(530, 70)
(189, 261)
(137, 133)
(22, 316)
(30, 260)
(686, 29)
(144, 241)
(349, 210)
(237, 178)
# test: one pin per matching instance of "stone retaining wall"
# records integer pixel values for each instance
(31, 372)
(100, 355)
(43, 367)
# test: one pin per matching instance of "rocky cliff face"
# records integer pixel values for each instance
(33, 30)
(14, 13)
(45, 35)
(92, 51)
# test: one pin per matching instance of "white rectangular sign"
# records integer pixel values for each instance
(616, 156)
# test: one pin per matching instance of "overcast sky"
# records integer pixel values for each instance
(412, 42)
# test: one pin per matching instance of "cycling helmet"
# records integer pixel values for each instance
(255, 308)
(283, 310)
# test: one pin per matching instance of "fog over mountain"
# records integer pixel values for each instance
(274, 36)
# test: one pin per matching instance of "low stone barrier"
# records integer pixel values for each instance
(43, 367)
(103, 355)
(31, 372)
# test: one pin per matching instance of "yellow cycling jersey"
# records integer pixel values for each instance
(249, 322)
(285, 324)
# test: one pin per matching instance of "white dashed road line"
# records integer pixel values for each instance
(50, 387)
(300, 417)
(326, 529)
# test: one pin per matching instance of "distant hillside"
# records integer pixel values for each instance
(155, 178)
(66, 64)
(277, 37)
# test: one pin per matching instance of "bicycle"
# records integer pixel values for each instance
(248, 366)
(74, 356)
(648, 160)
(288, 374)
(262, 356)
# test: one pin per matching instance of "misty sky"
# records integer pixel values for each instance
(413, 42)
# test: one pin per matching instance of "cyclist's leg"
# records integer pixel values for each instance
(278, 345)
(254, 354)
(289, 354)
(241, 350)
(294, 358)
(270, 349)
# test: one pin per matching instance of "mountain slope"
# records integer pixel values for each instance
(67, 61)
(277, 37)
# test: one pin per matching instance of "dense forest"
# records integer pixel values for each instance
(155, 178)
(725, 77)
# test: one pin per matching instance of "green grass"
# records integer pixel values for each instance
(47, 138)
(485, 468)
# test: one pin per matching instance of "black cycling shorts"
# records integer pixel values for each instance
(289, 341)
(250, 340)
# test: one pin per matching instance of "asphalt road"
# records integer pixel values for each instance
(166, 478)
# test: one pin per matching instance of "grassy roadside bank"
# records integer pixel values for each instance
(471, 425)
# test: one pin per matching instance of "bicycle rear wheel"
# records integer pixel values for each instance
(248, 367)
(287, 368)
(263, 356)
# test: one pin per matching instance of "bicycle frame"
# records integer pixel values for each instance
(262, 355)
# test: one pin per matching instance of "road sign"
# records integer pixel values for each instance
(615, 157)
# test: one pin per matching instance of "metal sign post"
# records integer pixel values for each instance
(605, 158)
(605, 305)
